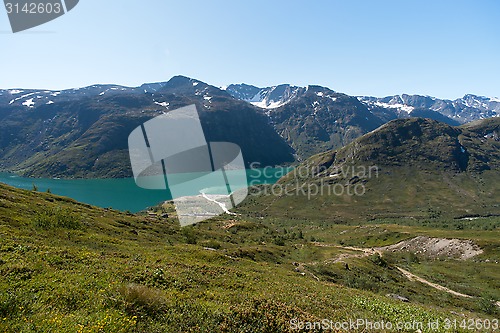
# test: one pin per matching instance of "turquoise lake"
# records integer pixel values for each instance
(122, 194)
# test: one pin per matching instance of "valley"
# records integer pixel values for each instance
(376, 215)
(250, 167)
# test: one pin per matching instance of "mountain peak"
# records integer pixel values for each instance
(425, 144)
(405, 167)
(265, 98)
(462, 110)
(180, 80)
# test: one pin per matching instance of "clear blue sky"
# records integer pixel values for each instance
(441, 48)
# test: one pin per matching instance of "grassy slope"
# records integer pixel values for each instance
(396, 192)
(425, 168)
(69, 267)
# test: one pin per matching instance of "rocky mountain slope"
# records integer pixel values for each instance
(84, 133)
(459, 111)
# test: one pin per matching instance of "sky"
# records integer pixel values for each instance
(378, 48)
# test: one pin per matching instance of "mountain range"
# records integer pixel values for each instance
(82, 133)
(461, 110)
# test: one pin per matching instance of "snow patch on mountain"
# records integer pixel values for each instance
(164, 104)
(401, 107)
(465, 109)
(265, 98)
(268, 105)
(29, 103)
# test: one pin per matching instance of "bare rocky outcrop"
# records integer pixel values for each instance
(462, 249)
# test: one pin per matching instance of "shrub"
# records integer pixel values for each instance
(190, 235)
(264, 316)
(486, 305)
(9, 304)
(300, 234)
(411, 258)
(213, 244)
(52, 218)
(140, 300)
(279, 241)
(378, 260)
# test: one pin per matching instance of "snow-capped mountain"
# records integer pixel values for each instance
(459, 111)
(266, 98)
(320, 119)
(83, 132)
(463, 110)
(272, 125)
(32, 98)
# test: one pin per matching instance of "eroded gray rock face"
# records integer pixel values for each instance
(462, 249)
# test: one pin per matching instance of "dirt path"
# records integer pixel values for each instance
(413, 277)
(365, 250)
(410, 276)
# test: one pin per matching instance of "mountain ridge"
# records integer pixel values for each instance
(74, 132)
(464, 109)
(407, 168)
(87, 137)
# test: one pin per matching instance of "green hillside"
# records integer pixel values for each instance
(70, 267)
(412, 168)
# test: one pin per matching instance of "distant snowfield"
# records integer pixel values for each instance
(164, 104)
(29, 103)
(398, 106)
(264, 105)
